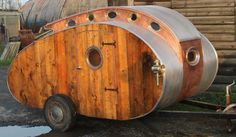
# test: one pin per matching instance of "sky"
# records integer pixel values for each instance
(23, 1)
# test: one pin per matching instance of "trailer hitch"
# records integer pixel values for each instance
(228, 92)
(230, 108)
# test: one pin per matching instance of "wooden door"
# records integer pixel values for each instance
(97, 77)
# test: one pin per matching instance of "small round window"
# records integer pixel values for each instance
(155, 26)
(192, 56)
(94, 58)
(133, 17)
(91, 17)
(112, 14)
(71, 23)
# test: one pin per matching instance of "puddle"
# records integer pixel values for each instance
(17, 131)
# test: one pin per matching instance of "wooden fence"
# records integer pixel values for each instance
(216, 19)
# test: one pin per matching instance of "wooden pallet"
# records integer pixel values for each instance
(10, 51)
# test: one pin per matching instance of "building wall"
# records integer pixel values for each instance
(11, 21)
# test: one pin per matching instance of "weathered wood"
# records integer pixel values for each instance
(164, 4)
(202, 3)
(219, 11)
(216, 29)
(227, 62)
(227, 71)
(226, 53)
(120, 2)
(213, 20)
(220, 37)
(220, 79)
(10, 51)
(225, 45)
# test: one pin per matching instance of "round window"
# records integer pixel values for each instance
(112, 14)
(71, 23)
(94, 58)
(155, 26)
(91, 17)
(133, 17)
(192, 56)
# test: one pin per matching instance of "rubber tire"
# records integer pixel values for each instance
(68, 111)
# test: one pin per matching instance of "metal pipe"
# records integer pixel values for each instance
(228, 90)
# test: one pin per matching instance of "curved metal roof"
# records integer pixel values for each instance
(37, 13)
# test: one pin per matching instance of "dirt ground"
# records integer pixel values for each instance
(12, 113)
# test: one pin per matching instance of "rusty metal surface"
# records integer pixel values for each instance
(37, 13)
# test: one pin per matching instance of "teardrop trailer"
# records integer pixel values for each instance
(116, 63)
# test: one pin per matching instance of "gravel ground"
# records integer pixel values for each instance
(12, 113)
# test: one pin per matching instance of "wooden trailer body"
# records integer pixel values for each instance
(116, 63)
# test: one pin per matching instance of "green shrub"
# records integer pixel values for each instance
(5, 63)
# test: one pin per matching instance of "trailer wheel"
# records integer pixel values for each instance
(59, 112)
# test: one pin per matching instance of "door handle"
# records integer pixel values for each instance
(159, 69)
(79, 68)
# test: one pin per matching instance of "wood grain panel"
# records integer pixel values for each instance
(123, 87)
(216, 29)
(212, 20)
(202, 3)
(216, 11)
(225, 45)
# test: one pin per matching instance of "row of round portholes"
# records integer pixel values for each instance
(112, 15)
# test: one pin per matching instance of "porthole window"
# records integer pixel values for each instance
(133, 17)
(94, 58)
(155, 26)
(192, 56)
(71, 23)
(112, 14)
(91, 17)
